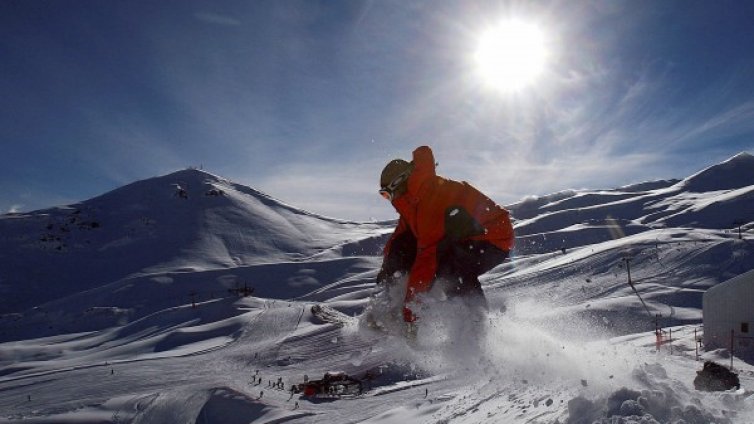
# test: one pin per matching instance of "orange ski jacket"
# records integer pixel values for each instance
(424, 209)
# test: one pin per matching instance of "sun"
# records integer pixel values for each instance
(511, 55)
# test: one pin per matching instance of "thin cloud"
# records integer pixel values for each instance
(120, 140)
(344, 191)
(217, 19)
(737, 120)
(597, 141)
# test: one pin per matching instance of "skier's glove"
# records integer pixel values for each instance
(408, 315)
(383, 278)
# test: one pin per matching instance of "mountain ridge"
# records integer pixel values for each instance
(193, 221)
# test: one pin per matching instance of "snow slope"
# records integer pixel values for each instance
(137, 318)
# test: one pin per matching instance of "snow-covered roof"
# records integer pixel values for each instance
(735, 284)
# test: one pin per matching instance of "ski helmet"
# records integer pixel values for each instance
(394, 169)
(394, 177)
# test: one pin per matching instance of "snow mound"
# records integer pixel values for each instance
(228, 406)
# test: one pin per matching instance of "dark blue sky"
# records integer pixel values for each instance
(307, 100)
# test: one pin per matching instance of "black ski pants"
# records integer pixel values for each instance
(460, 263)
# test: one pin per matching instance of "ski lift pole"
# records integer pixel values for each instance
(732, 344)
(631, 283)
(696, 345)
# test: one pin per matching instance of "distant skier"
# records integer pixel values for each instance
(448, 234)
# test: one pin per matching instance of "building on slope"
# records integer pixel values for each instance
(728, 313)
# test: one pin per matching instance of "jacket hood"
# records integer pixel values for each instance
(424, 168)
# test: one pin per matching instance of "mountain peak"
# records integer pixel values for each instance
(742, 156)
(192, 175)
(733, 173)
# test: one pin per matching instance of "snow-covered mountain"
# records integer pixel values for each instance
(186, 222)
(129, 307)
(718, 197)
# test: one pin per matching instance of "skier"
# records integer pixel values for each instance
(448, 234)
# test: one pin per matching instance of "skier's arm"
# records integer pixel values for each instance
(398, 254)
(420, 280)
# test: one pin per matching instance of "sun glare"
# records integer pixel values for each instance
(511, 55)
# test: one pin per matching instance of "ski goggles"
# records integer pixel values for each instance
(388, 191)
